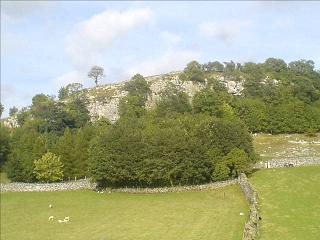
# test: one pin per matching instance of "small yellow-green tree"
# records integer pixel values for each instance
(48, 168)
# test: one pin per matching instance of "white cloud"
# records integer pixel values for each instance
(70, 77)
(91, 38)
(169, 61)
(224, 31)
(170, 38)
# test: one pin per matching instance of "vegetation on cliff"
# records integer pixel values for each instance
(181, 140)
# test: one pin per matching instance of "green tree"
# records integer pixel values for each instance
(221, 172)
(69, 90)
(238, 162)
(27, 144)
(48, 168)
(302, 66)
(4, 144)
(208, 102)
(193, 72)
(131, 106)
(253, 112)
(138, 86)
(275, 65)
(96, 73)
(213, 67)
(173, 101)
(13, 111)
(1, 109)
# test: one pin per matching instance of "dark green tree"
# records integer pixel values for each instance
(173, 101)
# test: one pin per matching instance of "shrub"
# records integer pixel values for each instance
(48, 168)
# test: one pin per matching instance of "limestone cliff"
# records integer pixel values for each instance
(104, 100)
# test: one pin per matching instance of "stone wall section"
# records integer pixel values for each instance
(48, 187)
(88, 184)
(251, 228)
(288, 162)
(195, 188)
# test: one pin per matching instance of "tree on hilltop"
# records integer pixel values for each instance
(96, 73)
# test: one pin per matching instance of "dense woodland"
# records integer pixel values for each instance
(179, 142)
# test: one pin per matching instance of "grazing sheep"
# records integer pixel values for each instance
(241, 214)
(67, 219)
(62, 221)
(51, 218)
(50, 205)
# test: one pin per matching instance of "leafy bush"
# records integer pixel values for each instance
(48, 168)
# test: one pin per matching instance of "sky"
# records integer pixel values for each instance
(46, 45)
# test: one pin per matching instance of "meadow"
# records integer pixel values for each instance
(110, 216)
(286, 146)
(289, 202)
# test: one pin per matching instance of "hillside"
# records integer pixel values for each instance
(179, 128)
(104, 100)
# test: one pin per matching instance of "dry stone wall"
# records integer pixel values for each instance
(204, 187)
(289, 162)
(48, 187)
(251, 228)
(88, 184)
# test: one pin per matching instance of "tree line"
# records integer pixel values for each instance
(181, 141)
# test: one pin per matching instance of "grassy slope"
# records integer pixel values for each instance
(290, 202)
(286, 146)
(190, 215)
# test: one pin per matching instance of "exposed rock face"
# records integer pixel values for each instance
(104, 100)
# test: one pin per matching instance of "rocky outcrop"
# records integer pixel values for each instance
(104, 100)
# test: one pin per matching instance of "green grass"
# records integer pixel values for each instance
(286, 146)
(290, 202)
(189, 215)
(3, 177)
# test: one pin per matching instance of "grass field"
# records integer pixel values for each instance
(290, 202)
(189, 215)
(286, 146)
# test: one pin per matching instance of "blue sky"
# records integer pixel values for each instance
(46, 45)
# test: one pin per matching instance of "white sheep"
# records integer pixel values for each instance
(241, 214)
(62, 221)
(67, 219)
(50, 205)
(51, 218)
